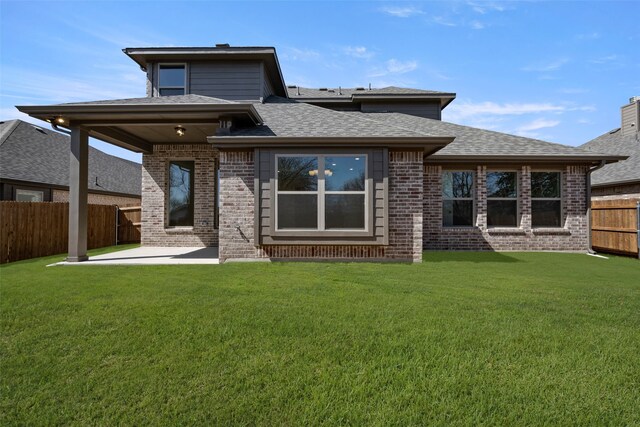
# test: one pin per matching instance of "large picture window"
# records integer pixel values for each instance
(546, 201)
(181, 193)
(172, 79)
(457, 199)
(502, 199)
(321, 192)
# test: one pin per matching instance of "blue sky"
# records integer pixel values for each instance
(557, 71)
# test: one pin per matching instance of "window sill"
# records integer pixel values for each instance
(552, 231)
(178, 230)
(460, 228)
(506, 231)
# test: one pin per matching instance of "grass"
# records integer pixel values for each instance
(463, 338)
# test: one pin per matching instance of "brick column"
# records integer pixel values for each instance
(432, 206)
(405, 205)
(236, 205)
(481, 197)
(525, 198)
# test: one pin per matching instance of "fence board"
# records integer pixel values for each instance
(129, 223)
(35, 229)
(614, 226)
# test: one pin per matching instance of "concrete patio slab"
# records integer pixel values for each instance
(146, 255)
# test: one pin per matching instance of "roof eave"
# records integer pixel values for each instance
(467, 158)
(615, 183)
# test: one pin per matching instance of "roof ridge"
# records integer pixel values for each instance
(10, 129)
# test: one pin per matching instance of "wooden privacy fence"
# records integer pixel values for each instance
(129, 221)
(35, 229)
(614, 226)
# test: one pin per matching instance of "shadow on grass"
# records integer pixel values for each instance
(464, 256)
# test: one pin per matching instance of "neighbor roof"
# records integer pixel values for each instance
(32, 154)
(626, 171)
(477, 143)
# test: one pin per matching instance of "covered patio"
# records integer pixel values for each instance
(148, 255)
(136, 124)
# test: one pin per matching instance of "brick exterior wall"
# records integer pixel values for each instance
(573, 236)
(632, 190)
(97, 199)
(237, 215)
(155, 194)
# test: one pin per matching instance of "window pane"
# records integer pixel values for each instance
(181, 193)
(545, 184)
(545, 213)
(171, 75)
(344, 173)
(457, 213)
(171, 92)
(457, 184)
(29, 196)
(297, 173)
(344, 211)
(502, 184)
(502, 213)
(297, 211)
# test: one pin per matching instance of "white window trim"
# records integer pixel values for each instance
(160, 65)
(321, 192)
(517, 199)
(560, 199)
(474, 214)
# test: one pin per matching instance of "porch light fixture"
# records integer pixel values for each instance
(180, 131)
(59, 120)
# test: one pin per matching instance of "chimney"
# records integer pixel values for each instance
(630, 116)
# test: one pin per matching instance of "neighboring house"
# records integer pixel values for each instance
(34, 167)
(233, 157)
(620, 179)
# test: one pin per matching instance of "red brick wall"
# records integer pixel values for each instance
(155, 193)
(573, 236)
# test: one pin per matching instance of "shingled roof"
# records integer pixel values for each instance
(626, 171)
(33, 154)
(158, 100)
(473, 142)
(298, 92)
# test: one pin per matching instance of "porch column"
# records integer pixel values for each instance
(78, 182)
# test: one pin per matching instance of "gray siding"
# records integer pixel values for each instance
(226, 80)
(630, 115)
(265, 205)
(430, 110)
(267, 87)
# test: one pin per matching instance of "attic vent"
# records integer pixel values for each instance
(331, 90)
(291, 86)
(323, 89)
(222, 45)
(359, 88)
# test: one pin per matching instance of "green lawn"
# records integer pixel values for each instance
(461, 339)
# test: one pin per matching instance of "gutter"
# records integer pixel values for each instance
(588, 194)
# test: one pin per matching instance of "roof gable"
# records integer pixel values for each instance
(624, 171)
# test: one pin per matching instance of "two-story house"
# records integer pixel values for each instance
(234, 157)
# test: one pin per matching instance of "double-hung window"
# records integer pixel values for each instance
(502, 199)
(546, 201)
(457, 199)
(172, 79)
(321, 192)
(181, 177)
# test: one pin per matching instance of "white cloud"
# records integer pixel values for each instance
(441, 20)
(537, 124)
(358, 52)
(402, 11)
(547, 66)
(465, 110)
(588, 36)
(394, 66)
(573, 90)
(604, 59)
(485, 7)
(477, 25)
(296, 54)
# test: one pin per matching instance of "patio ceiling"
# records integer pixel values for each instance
(139, 127)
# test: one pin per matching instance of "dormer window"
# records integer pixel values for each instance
(172, 79)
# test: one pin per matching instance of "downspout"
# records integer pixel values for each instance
(588, 192)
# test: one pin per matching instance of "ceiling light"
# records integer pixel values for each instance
(60, 120)
(180, 131)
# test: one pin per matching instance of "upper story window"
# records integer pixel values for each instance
(546, 201)
(457, 199)
(321, 192)
(502, 199)
(172, 79)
